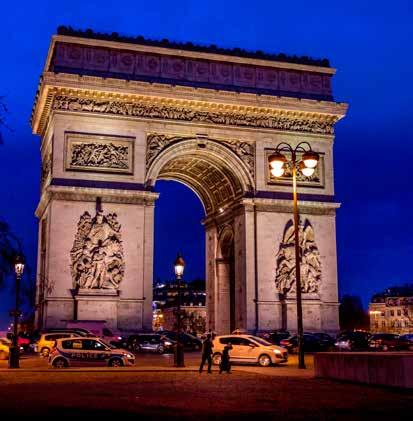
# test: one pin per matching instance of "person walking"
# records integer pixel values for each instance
(225, 364)
(207, 346)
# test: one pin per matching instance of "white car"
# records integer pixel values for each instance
(249, 349)
(88, 351)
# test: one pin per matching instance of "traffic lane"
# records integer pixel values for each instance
(184, 395)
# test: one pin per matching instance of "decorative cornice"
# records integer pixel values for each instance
(175, 97)
(108, 194)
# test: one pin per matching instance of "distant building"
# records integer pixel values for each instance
(392, 310)
(165, 300)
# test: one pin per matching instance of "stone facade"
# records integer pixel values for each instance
(107, 139)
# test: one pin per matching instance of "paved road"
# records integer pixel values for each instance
(274, 393)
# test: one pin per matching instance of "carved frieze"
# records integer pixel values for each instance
(97, 252)
(99, 153)
(170, 112)
(285, 281)
(156, 143)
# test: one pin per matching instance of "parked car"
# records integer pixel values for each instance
(22, 340)
(81, 351)
(47, 341)
(5, 345)
(249, 349)
(151, 342)
(352, 341)
(311, 343)
(325, 339)
(275, 337)
(190, 342)
(388, 342)
(409, 338)
(100, 330)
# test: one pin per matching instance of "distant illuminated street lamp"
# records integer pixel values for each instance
(14, 349)
(306, 165)
(179, 266)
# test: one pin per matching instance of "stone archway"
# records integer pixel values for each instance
(114, 117)
(220, 179)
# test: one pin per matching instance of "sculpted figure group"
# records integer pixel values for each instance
(97, 253)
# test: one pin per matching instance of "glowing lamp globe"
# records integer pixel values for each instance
(277, 172)
(179, 266)
(310, 159)
(277, 160)
(19, 265)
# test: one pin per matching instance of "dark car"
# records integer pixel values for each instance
(150, 342)
(409, 338)
(311, 344)
(353, 341)
(388, 342)
(275, 337)
(325, 338)
(190, 342)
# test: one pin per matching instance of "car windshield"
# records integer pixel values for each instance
(260, 341)
(108, 345)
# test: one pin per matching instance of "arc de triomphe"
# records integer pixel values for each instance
(116, 115)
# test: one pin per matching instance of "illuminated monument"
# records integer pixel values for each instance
(115, 115)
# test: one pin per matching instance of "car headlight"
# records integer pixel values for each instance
(167, 343)
(276, 351)
(129, 356)
(119, 338)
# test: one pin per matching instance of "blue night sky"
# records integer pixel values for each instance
(368, 42)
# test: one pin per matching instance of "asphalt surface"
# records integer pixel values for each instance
(155, 389)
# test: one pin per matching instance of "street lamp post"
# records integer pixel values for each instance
(306, 165)
(179, 266)
(14, 349)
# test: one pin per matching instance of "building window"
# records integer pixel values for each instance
(383, 323)
(406, 323)
(391, 312)
(399, 312)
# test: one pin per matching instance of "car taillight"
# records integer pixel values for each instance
(284, 342)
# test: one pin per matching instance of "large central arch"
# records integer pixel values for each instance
(220, 179)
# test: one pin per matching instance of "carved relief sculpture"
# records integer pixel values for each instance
(98, 153)
(137, 109)
(310, 261)
(97, 252)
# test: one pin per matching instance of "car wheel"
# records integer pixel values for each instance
(3, 355)
(216, 359)
(116, 362)
(264, 360)
(59, 363)
(135, 346)
(161, 349)
(45, 352)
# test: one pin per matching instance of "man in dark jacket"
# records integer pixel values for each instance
(206, 353)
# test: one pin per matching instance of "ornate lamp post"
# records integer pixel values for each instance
(179, 266)
(307, 164)
(14, 349)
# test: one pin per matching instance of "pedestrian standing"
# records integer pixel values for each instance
(225, 364)
(207, 346)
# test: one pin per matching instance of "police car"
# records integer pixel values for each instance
(89, 351)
